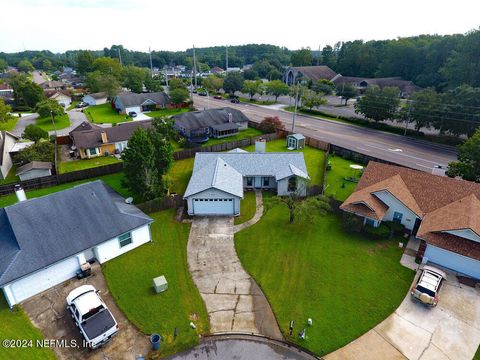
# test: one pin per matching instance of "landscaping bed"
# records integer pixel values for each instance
(174, 308)
(347, 283)
(61, 122)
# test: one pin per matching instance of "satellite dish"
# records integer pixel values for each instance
(129, 200)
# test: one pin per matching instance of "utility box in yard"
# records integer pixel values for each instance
(160, 284)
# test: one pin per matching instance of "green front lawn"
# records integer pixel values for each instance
(61, 122)
(11, 177)
(247, 207)
(72, 105)
(9, 125)
(113, 180)
(69, 166)
(165, 112)
(180, 174)
(16, 325)
(345, 282)
(314, 158)
(129, 278)
(105, 113)
(336, 185)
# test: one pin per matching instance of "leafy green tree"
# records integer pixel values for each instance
(274, 74)
(25, 66)
(49, 107)
(328, 57)
(461, 111)
(3, 65)
(4, 112)
(213, 83)
(250, 74)
(251, 88)
(134, 77)
(26, 92)
(40, 151)
(323, 86)
(299, 207)
(178, 95)
(379, 104)
(99, 82)
(233, 82)
(302, 57)
(311, 99)
(346, 92)
(47, 65)
(425, 108)
(147, 160)
(468, 164)
(277, 88)
(153, 84)
(84, 62)
(108, 66)
(175, 83)
(34, 133)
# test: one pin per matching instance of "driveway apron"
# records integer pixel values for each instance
(234, 301)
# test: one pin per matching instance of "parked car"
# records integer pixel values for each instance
(218, 97)
(428, 284)
(202, 93)
(92, 317)
(132, 114)
(81, 104)
(235, 101)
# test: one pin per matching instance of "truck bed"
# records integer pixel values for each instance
(98, 324)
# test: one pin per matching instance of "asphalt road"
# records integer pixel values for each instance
(417, 154)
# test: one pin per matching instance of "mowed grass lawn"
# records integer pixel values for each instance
(174, 308)
(113, 180)
(345, 282)
(314, 158)
(247, 207)
(16, 325)
(165, 112)
(61, 122)
(69, 166)
(336, 185)
(105, 113)
(9, 125)
(179, 175)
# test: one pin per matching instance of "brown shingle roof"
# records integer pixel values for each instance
(315, 73)
(454, 243)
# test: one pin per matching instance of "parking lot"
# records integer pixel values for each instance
(48, 312)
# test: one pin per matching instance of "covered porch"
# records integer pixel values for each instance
(224, 130)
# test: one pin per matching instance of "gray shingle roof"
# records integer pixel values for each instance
(39, 232)
(133, 99)
(34, 165)
(99, 95)
(208, 118)
(208, 174)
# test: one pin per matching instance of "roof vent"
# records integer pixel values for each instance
(230, 117)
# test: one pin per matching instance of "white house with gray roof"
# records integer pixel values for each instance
(43, 241)
(219, 179)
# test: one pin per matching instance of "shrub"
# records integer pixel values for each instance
(34, 133)
(271, 124)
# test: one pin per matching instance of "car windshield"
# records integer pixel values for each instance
(426, 291)
(92, 312)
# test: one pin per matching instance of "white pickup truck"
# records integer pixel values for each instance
(95, 322)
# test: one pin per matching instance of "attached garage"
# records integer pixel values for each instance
(214, 206)
(453, 261)
(136, 109)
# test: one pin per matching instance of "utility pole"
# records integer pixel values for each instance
(55, 129)
(226, 58)
(408, 117)
(151, 65)
(295, 111)
(119, 56)
(319, 54)
(194, 67)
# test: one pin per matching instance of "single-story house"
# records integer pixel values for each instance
(313, 73)
(52, 85)
(44, 241)
(138, 103)
(295, 141)
(217, 70)
(406, 87)
(34, 169)
(6, 90)
(95, 98)
(92, 140)
(219, 179)
(61, 98)
(444, 213)
(198, 126)
(7, 142)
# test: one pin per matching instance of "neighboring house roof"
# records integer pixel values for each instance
(88, 135)
(315, 73)
(40, 232)
(132, 99)
(34, 165)
(237, 150)
(405, 86)
(20, 146)
(208, 118)
(211, 169)
(216, 69)
(58, 94)
(3, 136)
(97, 96)
(52, 84)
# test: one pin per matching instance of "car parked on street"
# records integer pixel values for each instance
(92, 317)
(235, 101)
(218, 97)
(427, 285)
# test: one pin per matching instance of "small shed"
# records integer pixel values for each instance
(295, 142)
(34, 169)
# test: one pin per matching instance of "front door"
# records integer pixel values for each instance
(397, 217)
(258, 182)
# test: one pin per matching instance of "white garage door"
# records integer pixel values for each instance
(134, 109)
(44, 279)
(213, 206)
(453, 261)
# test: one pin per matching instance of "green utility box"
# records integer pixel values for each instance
(160, 284)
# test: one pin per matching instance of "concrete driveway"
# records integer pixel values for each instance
(22, 123)
(47, 311)
(451, 330)
(76, 118)
(234, 301)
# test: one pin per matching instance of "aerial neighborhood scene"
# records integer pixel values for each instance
(285, 183)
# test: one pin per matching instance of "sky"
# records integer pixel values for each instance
(59, 25)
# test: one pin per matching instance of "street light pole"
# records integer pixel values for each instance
(295, 111)
(55, 142)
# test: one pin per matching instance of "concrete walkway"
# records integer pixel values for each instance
(22, 123)
(256, 217)
(234, 301)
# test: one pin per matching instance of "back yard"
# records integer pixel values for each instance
(336, 185)
(347, 283)
(105, 113)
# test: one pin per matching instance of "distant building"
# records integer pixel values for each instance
(95, 98)
(296, 74)
(362, 84)
(138, 103)
(217, 70)
(62, 98)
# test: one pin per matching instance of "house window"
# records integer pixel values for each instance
(397, 216)
(125, 239)
(249, 181)
(92, 151)
(266, 182)
(292, 183)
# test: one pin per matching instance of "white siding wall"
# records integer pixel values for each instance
(33, 174)
(7, 159)
(451, 260)
(111, 249)
(466, 233)
(282, 187)
(243, 126)
(212, 193)
(408, 218)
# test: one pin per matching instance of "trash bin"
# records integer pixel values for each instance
(155, 341)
